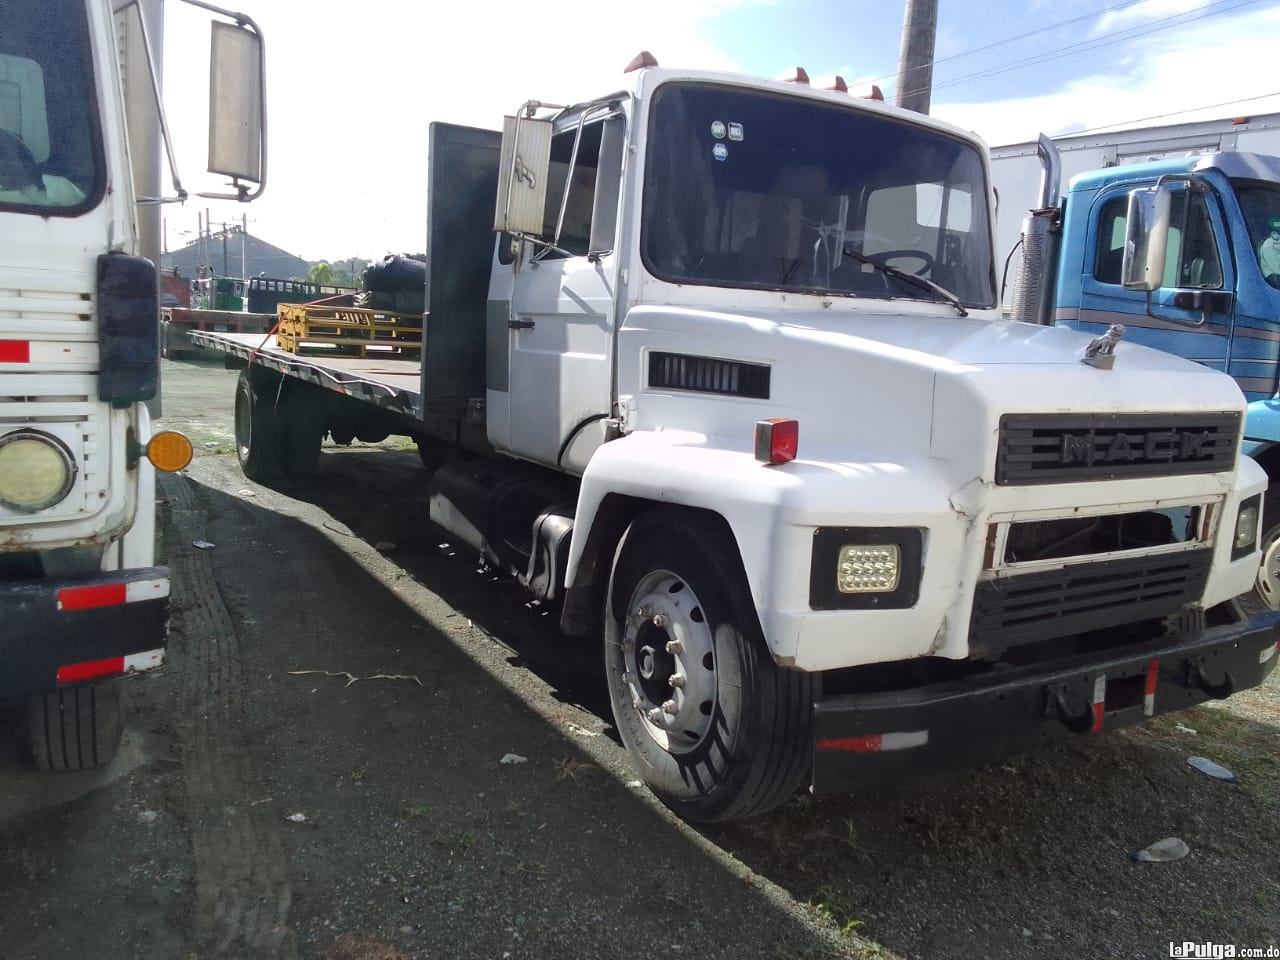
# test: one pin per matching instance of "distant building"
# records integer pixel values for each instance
(260, 257)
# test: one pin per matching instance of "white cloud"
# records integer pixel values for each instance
(1220, 60)
(1114, 20)
(353, 87)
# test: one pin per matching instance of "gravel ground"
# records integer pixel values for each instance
(260, 811)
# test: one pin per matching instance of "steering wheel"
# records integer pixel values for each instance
(18, 168)
(884, 256)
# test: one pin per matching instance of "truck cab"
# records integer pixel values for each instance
(1219, 301)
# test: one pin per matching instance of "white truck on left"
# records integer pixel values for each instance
(81, 599)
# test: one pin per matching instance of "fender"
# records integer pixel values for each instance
(772, 513)
(1261, 426)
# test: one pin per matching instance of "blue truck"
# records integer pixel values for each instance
(1211, 292)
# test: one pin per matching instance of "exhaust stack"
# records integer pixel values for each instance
(1032, 300)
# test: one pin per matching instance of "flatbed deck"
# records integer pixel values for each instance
(389, 382)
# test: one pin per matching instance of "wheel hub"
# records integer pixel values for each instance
(669, 654)
(1269, 571)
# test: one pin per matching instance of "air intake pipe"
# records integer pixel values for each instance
(1032, 300)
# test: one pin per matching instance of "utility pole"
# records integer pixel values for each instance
(226, 271)
(915, 62)
(244, 228)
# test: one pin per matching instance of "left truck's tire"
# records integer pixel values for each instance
(739, 742)
(76, 728)
(257, 427)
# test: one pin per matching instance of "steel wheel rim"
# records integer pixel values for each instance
(1269, 570)
(669, 661)
(244, 428)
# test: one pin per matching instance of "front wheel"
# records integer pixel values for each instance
(714, 726)
(1265, 595)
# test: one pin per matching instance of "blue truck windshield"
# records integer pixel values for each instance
(50, 154)
(1260, 205)
(751, 189)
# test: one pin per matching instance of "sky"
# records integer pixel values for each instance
(353, 87)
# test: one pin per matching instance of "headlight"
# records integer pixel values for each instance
(868, 569)
(36, 471)
(1246, 534)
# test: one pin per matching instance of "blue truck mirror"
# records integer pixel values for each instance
(1146, 237)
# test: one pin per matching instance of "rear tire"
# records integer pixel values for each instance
(740, 740)
(257, 428)
(302, 421)
(77, 728)
(1265, 595)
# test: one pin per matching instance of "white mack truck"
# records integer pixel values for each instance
(732, 388)
(81, 599)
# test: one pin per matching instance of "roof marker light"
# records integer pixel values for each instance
(796, 75)
(835, 83)
(640, 61)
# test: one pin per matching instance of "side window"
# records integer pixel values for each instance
(1110, 252)
(1191, 258)
(575, 233)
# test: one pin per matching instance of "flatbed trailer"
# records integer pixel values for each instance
(176, 322)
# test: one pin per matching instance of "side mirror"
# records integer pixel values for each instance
(1146, 237)
(604, 212)
(522, 175)
(237, 106)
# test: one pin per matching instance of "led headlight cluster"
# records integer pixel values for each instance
(868, 568)
(36, 471)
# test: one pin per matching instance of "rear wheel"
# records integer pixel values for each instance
(77, 728)
(715, 727)
(302, 422)
(1265, 595)
(257, 429)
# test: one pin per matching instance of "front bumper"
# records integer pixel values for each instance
(888, 737)
(57, 632)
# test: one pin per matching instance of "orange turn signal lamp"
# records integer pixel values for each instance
(167, 450)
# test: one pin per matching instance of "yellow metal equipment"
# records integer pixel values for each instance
(353, 331)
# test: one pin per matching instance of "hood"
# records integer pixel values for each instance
(888, 385)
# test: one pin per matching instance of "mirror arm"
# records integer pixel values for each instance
(243, 194)
(181, 194)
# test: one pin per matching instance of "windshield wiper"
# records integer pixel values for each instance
(910, 278)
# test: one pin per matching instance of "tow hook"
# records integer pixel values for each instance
(1196, 677)
(1058, 708)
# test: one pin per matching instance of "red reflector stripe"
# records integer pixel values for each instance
(88, 598)
(1153, 674)
(1099, 701)
(869, 744)
(15, 351)
(76, 672)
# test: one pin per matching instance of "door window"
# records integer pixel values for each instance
(1191, 258)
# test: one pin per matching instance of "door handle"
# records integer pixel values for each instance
(521, 324)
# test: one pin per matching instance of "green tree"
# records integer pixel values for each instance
(321, 272)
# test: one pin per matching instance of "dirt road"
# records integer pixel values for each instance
(262, 808)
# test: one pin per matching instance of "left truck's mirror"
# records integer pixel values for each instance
(236, 107)
(522, 175)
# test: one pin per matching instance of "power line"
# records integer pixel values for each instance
(1022, 36)
(1096, 43)
(1175, 113)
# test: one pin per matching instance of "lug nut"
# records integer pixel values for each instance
(669, 707)
(656, 716)
(675, 647)
(660, 620)
(676, 681)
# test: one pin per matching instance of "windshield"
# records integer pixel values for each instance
(50, 162)
(751, 189)
(1260, 205)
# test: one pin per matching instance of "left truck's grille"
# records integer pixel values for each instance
(1012, 610)
(1066, 448)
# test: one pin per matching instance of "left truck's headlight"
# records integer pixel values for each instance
(37, 471)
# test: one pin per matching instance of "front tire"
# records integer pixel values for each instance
(1265, 595)
(77, 728)
(716, 729)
